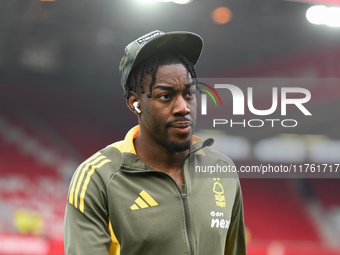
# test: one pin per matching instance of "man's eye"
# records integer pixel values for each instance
(164, 97)
(191, 93)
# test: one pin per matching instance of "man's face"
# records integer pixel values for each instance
(168, 117)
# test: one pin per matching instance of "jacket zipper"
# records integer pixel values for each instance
(186, 215)
(185, 207)
(184, 196)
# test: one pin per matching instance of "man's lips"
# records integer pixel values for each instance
(181, 124)
(181, 127)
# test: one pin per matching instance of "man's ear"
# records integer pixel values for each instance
(133, 102)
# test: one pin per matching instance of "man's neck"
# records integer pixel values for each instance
(158, 156)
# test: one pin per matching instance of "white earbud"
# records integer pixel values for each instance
(136, 106)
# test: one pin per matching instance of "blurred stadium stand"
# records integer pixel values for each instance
(280, 220)
(33, 188)
(61, 101)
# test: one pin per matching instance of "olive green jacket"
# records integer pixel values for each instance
(118, 205)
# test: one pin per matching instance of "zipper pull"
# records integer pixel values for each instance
(184, 195)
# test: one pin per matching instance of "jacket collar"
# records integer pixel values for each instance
(128, 147)
(129, 155)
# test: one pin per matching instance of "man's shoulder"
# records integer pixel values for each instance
(106, 162)
(91, 178)
(209, 152)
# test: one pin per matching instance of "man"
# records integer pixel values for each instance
(140, 196)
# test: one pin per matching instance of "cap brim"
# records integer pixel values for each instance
(186, 43)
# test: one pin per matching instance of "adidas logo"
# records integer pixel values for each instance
(143, 201)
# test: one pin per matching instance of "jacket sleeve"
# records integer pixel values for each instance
(86, 224)
(236, 241)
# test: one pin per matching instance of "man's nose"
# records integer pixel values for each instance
(181, 107)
